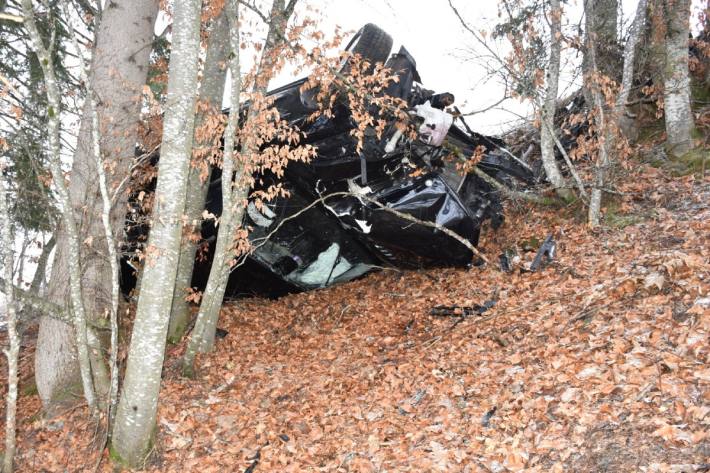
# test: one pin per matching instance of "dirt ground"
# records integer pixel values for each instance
(598, 363)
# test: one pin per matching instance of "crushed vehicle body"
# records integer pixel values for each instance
(306, 241)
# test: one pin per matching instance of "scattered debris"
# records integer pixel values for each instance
(461, 311)
(485, 421)
(545, 254)
(505, 264)
(254, 461)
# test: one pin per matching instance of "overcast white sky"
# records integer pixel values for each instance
(432, 34)
(442, 48)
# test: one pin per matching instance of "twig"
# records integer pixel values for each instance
(263, 240)
(45, 307)
(508, 192)
(490, 107)
(11, 17)
(138, 161)
(105, 220)
(44, 54)
(572, 169)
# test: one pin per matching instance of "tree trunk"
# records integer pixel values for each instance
(547, 126)
(112, 255)
(623, 115)
(601, 28)
(123, 45)
(600, 118)
(13, 351)
(64, 201)
(41, 271)
(219, 271)
(206, 143)
(233, 193)
(135, 417)
(607, 123)
(676, 79)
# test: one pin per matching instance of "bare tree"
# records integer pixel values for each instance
(119, 68)
(64, 199)
(676, 80)
(607, 122)
(92, 110)
(231, 212)
(547, 126)
(520, 69)
(234, 193)
(12, 352)
(207, 143)
(135, 418)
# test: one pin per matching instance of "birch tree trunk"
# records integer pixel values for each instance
(64, 200)
(676, 79)
(41, 271)
(547, 127)
(118, 72)
(219, 271)
(211, 93)
(13, 351)
(607, 123)
(235, 193)
(135, 417)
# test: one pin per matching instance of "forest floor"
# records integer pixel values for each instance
(599, 362)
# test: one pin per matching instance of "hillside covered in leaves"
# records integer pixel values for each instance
(598, 362)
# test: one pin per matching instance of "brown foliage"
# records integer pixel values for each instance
(601, 354)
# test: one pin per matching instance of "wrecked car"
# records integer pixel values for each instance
(298, 248)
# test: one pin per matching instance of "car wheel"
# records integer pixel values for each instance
(371, 43)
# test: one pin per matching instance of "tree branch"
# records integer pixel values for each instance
(11, 17)
(262, 240)
(39, 304)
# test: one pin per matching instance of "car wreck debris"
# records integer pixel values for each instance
(545, 254)
(378, 211)
(461, 311)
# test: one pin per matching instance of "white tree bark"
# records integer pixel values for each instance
(635, 31)
(607, 131)
(64, 200)
(211, 93)
(676, 79)
(13, 351)
(135, 418)
(119, 66)
(547, 127)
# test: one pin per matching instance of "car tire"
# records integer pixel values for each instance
(371, 43)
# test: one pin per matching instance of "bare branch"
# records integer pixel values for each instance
(11, 17)
(486, 109)
(322, 199)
